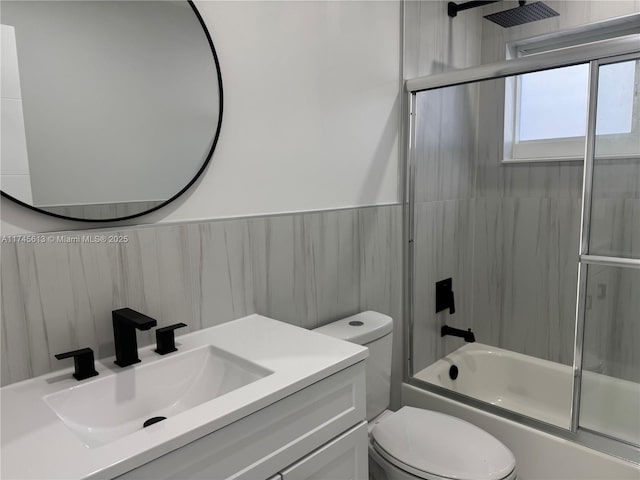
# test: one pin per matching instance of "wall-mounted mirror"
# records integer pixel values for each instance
(110, 109)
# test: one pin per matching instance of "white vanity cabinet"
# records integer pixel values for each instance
(344, 458)
(317, 433)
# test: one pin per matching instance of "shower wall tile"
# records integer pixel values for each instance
(488, 267)
(443, 246)
(445, 169)
(525, 271)
(445, 146)
(623, 356)
(412, 32)
(306, 269)
(617, 179)
(632, 225)
(612, 332)
(615, 227)
(434, 43)
(554, 180)
(599, 307)
(566, 241)
(615, 218)
(526, 320)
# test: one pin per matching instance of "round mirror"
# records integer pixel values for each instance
(110, 109)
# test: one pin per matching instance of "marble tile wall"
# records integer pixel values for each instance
(612, 330)
(306, 269)
(444, 171)
(435, 43)
(525, 272)
(612, 339)
(446, 145)
(615, 218)
(443, 248)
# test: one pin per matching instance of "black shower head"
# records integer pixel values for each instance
(525, 13)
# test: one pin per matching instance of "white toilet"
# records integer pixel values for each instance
(414, 443)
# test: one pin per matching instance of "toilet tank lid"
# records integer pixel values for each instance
(362, 328)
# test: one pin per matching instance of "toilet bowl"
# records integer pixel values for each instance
(414, 443)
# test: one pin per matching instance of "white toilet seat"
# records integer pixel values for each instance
(434, 446)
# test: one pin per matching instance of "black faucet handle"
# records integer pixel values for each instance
(165, 338)
(83, 362)
(444, 296)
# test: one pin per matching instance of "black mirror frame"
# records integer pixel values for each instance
(195, 177)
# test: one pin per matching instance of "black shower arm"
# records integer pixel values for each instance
(453, 8)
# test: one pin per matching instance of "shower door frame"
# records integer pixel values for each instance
(595, 54)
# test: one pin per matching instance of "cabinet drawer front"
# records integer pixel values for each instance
(265, 442)
(344, 458)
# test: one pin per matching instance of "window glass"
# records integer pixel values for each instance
(616, 85)
(553, 103)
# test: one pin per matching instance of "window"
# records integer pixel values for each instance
(546, 112)
(553, 103)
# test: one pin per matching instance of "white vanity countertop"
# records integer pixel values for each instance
(36, 444)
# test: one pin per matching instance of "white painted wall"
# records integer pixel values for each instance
(311, 96)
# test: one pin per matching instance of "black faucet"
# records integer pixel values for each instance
(125, 323)
(467, 335)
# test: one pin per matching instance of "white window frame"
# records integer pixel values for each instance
(569, 148)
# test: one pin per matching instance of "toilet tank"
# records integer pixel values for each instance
(372, 330)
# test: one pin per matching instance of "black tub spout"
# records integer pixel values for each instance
(467, 335)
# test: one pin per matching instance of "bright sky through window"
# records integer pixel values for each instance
(553, 103)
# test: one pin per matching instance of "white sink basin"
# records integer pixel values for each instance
(104, 410)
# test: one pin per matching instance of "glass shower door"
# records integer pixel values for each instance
(609, 400)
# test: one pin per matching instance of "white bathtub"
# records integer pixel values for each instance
(540, 389)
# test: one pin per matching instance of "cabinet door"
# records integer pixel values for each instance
(344, 458)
